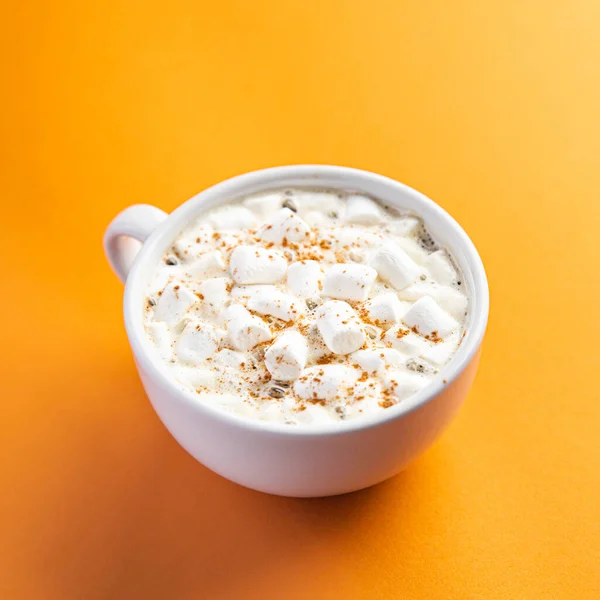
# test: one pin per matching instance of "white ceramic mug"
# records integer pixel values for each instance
(309, 460)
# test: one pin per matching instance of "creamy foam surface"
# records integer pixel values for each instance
(305, 306)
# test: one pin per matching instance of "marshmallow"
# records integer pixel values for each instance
(426, 316)
(302, 413)
(450, 299)
(441, 268)
(356, 255)
(362, 210)
(367, 395)
(190, 245)
(231, 403)
(197, 342)
(287, 356)
(305, 278)
(439, 354)
(232, 217)
(349, 281)
(339, 327)
(286, 224)
(253, 264)
(173, 303)
(207, 265)
(229, 359)
(264, 205)
(245, 330)
(214, 292)
(270, 301)
(419, 289)
(325, 382)
(366, 391)
(405, 227)
(325, 203)
(316, 346)
(245, 292)
(311, 414)
(160, 335)
(413, 249)
(403, 385)
(384, 310)
(376, 359)
(271, 411)
(316, 218)
(395, 266)
(199, 378)
(406, 341)
(350, 236)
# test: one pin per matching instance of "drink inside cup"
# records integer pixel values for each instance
(305, 306)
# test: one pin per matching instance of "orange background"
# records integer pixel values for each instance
(492, 109)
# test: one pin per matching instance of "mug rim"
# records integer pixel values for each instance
(224, 191)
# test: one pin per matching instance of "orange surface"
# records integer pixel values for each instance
(492, 109)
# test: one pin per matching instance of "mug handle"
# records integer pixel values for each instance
(126, 234)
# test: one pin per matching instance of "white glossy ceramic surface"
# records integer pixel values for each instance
(282, 459)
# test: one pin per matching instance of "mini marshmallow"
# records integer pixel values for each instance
(245, 292)
(450, 299)
(357, 255)
(214, 292)
(376, 359)
(384, 310)
(316, 219)
(270, 301)
(367, 395)
(305, 278)
(362, 210)
(316, 346)
(231, 403)
(196, 343)
(439, 354)
(413, 249)
(395, 266)
(441, 268)
(245, 330)
(173, 303)
(304, 413)
(159, 333)
(426, 316)
(419, 289)
(325, 382)
(349, 281)
(405, 227)
(311, 414)
(229, 359)
(264, 205)
(286, 224)
(365, 391)
(271, 411)
(190, 245)
(196, 377)
(207, 265)
(253, 264)
(318, 201)
(352, 236)
(403, 385)
(339, 327)
(287, 356)
(406, 341)
(231, 217)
